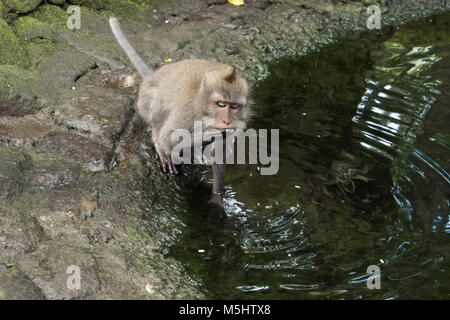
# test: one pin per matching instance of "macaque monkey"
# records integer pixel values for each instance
(177, 94)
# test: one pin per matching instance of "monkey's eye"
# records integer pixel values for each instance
(221, 104)
(235, 105)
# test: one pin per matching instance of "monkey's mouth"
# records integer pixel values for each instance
(210, 134)
(212, 129)
(223, 130)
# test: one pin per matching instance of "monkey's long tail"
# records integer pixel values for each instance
(138, 63)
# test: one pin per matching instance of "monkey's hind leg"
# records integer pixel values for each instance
(166, 162)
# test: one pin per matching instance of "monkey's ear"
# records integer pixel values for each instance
(229, 73)
(211, 78)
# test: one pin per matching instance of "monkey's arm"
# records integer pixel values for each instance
(218, 183)
(218, 171)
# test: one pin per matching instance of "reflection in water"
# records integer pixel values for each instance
(363, 179)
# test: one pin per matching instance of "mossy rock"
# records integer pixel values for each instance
(57, 2)
(12, 50)
(30, 28)
(2, 11)
(21, 6)
(124, 8)
(51, 15)
(88, 3)
(18, 83)
(5, 15)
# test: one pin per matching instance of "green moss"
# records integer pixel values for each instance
(2, 10)
(39, 39)
(16, 82)
(29, 28)
(51, 15)
(12, 50)
(58, 2)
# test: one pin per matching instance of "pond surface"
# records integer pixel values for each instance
(363, 178)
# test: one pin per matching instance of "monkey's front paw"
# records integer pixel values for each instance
(167, 165)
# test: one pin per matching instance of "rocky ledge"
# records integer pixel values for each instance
(79, 184)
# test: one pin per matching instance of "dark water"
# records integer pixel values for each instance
(363, 179)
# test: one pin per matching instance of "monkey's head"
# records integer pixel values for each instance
(226, 99)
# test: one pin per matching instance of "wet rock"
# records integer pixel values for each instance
(13, 286)
(25, 131)
(21, 6)
(134, 139)
(48, 175)
(53, 269)
(95, 110)
(120, 280)
(12, 172)
(90, 154)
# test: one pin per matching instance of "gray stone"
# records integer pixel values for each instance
(91, 155)
(51, 266)
(99, 111)
(12, 176)
(15, 287)
(48, 175)
(20, 233)
(65, 66)
(24, 131)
